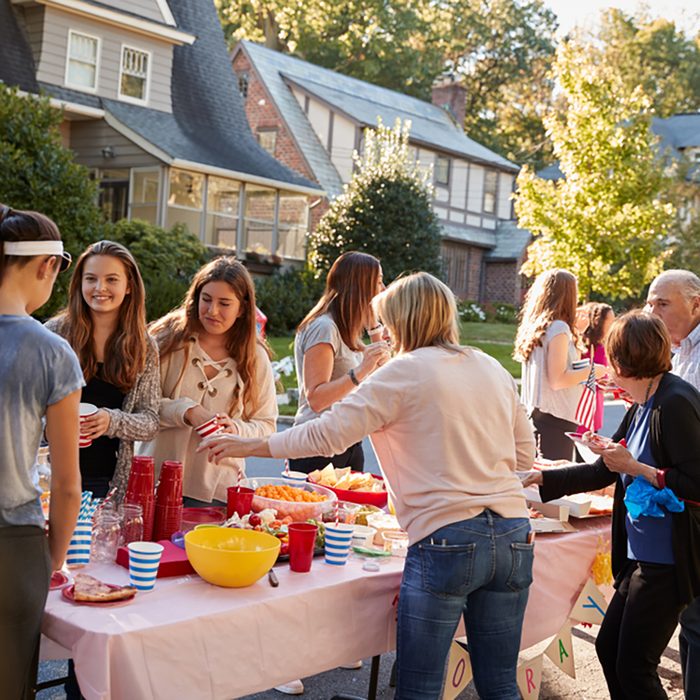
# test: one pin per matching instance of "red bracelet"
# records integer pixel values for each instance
(661, 478)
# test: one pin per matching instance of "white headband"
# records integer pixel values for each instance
(33, 247)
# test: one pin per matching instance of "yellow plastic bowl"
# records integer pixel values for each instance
(230, 557)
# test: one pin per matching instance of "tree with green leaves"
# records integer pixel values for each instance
(653, 53)
(37, 172)
(606, 219)
(385, 210)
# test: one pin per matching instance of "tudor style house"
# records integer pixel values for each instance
(312, 119)
(152, 109)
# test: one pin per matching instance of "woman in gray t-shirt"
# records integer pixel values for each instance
(329, 354)
(546, 346)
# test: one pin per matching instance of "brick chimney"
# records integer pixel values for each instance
(452, 96)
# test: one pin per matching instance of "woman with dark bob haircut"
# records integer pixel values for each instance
(655, 559)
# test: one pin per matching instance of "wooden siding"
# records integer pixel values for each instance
(475, 196)
(343, 145)
(505, 190)
(143, 8)
(458, 183)
(88, 138)
(52, 67)
(318, 115)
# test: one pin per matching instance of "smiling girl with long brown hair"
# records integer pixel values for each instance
(213, 365)
(105, 324)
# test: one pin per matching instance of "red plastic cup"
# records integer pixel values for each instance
(139, 491)
(239, 499)
(302, 538)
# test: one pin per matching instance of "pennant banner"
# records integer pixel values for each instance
(561, 651)
(459, 671)
(590, 606)
(530, 677)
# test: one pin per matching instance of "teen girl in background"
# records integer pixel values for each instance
(105, 323)
(39, 378)
(546, 345)
(330, 357)
(212, 365)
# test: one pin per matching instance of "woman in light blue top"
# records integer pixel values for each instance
(40, 377)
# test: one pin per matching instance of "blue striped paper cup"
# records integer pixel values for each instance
(144, 559)
(79, 547)
(338, 541)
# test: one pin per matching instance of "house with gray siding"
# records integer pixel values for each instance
(312, 119)
(151, 107)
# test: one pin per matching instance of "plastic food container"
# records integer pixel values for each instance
(373, 498)
(299, 511)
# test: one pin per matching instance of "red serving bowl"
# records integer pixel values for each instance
(372, 498)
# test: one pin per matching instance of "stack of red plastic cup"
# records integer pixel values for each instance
(168, 514)
(139, 491)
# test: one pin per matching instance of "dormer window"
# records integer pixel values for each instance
(82, 63)
(133, 77)
(243, 84)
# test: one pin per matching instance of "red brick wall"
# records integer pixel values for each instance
(262, 113)
(503, 283)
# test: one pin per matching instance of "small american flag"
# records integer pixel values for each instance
(585, 411)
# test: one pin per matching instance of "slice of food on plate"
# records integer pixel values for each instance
(88, 589)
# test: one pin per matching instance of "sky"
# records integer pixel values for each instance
(686, 13)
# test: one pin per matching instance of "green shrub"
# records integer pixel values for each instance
(386, 211)
(286, 297)
(471, 311)
(37, 172)
(505, 313)
(168, 260)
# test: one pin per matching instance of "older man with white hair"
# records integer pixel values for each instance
(674, 296)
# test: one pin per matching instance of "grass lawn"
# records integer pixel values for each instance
(495, 339)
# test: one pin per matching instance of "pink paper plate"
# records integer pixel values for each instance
(68, 594)
(58, 580)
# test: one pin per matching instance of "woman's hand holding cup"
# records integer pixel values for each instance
(375, 355)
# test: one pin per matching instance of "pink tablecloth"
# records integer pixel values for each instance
(187, 639)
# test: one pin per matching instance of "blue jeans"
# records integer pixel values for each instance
(480, 568)
(689, 647)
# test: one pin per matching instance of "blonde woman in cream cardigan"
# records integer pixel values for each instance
(449, 431)
(212, 365)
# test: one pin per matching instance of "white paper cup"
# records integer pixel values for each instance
(144, 559)
(79, 548)
(86, 410)
(362, 535)
(338, 541)
(295, 478)
(211, 427)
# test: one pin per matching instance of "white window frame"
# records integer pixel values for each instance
(128, 98)
(73, 86)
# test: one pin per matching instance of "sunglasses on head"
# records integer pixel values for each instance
(65, 261)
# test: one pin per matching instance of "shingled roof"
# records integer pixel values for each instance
(361, 101)
(207, 126)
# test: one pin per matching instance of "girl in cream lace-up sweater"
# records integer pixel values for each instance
(212, 365)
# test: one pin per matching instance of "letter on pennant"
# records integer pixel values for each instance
(561, 651)
(590, 606)
(530, 677)
(459, 671)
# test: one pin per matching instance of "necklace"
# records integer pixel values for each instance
(649, 385)
(638, 413)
